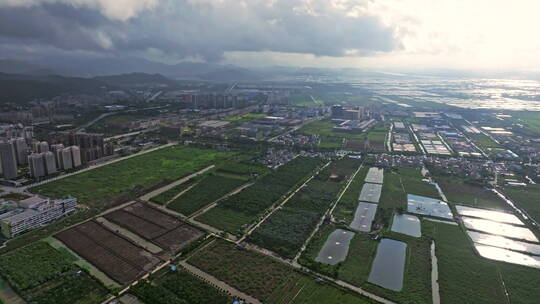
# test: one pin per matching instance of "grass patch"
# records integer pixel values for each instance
(98, 187)
(460, 193)
(527, 198)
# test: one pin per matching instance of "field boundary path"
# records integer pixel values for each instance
(248, 233)
(220, 284)
(216, 202)
(156, 192)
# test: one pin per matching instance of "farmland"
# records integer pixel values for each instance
(178, 287)
(165, 197)
(527, 198)
(399, 183)
(286, 230)
(349, 201)
(162, 229)
(264, 278)
(329, 138)
(463, 276)
(356, 268)
(43, 275)
(240, 210)
(208, 190)
(461, 193)
(99, 187)
(113, 255)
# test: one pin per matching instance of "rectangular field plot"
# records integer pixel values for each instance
(371, 193)
(363, 217)
(407, 224)
(153, 225)
(496, 216)
(389, 265)
(428, 206)
(112, 254)
(204, 193)
(499, 229)
(508, 256)
(502, 242)
(375, 176)
(336, 247)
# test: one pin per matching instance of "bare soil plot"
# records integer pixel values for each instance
(155, 226)
(112, 254)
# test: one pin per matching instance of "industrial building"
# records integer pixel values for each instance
(33, 213)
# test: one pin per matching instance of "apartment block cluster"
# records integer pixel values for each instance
(31, 213)
(18, 148)
(49, 160)
(202, 101)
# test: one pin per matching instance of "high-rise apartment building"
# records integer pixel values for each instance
(8, 160)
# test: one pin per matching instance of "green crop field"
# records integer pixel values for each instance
(100, 186)
(288, 228)
(399, 183)
(346, 207)
(357, 266)
(235, 213)
(164, 197)
(527, 198)
(244, 118)
(43, 275)
(208, 190)
(178, 287)
(460, 193)
(265, 278)
(484, 141)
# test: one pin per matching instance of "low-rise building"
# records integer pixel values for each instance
(35, 212)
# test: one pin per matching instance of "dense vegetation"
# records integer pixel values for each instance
(287, 229)
(32, 265)
(464, 277)
(460, 193)
(178, 287)
(527, 198)
(101, 185)
(208, 190)
(43, 275)
(265, 278)
(238, 211)
(164, 197)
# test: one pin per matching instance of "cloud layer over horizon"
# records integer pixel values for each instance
(198, 29)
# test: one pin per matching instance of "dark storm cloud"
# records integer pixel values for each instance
(197, 28)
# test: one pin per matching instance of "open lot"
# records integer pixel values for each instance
(101, 186)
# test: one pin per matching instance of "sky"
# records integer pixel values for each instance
(383, 34)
